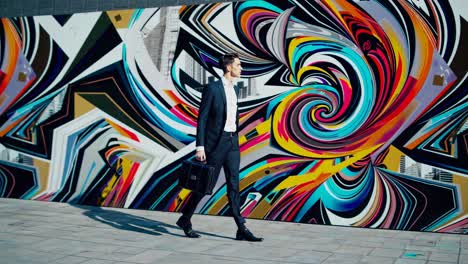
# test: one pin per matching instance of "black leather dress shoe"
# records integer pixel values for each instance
(190, 233)
(245, 234)
(187, 229)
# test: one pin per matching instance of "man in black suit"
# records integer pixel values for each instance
(218, 143)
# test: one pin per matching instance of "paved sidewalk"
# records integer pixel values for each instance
(42, 232)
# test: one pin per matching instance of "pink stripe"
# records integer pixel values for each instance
(254, 141)
(177, 113)
(251, 126)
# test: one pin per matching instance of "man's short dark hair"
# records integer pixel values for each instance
(226, 60)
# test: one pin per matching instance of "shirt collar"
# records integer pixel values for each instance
(226, 83)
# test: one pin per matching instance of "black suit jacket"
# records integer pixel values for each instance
(212, 115)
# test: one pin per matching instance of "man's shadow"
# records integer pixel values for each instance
(128, 222)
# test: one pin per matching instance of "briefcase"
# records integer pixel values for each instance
(198, 177)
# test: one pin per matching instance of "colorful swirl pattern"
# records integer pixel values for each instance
(343, 95)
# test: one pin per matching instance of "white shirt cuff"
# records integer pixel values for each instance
(200, 148)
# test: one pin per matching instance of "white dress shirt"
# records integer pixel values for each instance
(231, 108)
(231, 105)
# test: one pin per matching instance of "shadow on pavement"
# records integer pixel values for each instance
(129, 222)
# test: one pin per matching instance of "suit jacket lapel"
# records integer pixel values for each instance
(223, 93)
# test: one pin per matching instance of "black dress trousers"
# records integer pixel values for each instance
(226, 155)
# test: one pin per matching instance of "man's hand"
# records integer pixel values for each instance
(200, 155)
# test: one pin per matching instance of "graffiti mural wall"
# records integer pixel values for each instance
(352, 113)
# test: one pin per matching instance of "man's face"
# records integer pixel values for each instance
(235, 68)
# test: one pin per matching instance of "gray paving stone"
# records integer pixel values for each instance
(369, 244)
(423, 242)
(395, 243)
(149, 256)
(407, 235)
(64, 246)
(70, 260)
(419, 248)
(450, 238)
(99, 247)
(316, 240)
(427, 236)
(342, 259)
(374, 260)
(346, 249)
(124, 262)
(130, 250)
(448, 243)
(436, 256)
(100, 240)
(256, 261)
(448, 249)
(114, 256)
(308, 257)
(325, 247)
(463, 259)
(198, 246)
(256, 251)
(438, 262)
(30, 257)
(409, 261)
(20, 259)
(11, 250)
(229, 250)
(12, 238)
(198, 259)
(98, 261)
(160, 244)
(384, 252)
